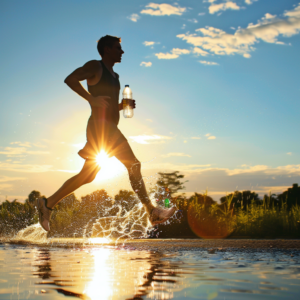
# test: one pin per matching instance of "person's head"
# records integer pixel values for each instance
(109, 46)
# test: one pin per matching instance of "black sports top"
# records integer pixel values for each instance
(107, 86)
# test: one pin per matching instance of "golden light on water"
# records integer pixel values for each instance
(100, 286)
(110, 167)
(99, 241)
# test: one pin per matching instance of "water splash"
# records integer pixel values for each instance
(125, 225)
(34, 234)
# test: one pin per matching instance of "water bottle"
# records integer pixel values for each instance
(127, 109)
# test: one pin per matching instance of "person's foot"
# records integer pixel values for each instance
(160, 215)
(44, 213)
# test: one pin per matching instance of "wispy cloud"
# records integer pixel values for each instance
(199, 51)
(150, 139)
(176, 154)
(210, 137)
(146, 64)
(174, 53)
(150, 43)
(134, 17)
(25, 168)
(196, 138)
(213, 8)
(163, 9)
(289, 153)
(20, 151)
(8, 179)
(4, 185)
(208, 63)
(217, 41)
(249, 2)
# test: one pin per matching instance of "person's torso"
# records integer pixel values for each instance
(109, 86)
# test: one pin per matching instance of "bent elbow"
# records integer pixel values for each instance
(67, 80)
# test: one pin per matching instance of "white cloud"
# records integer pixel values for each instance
(163, 9)
(26, 168)
(176, 154)
(269, 16)
(7, 178)
(208, 134)
(134, 17)
(146, 64)
(199, 51)
(20, 151)
(146, 43)
(289, 153)
(193, 20)
(217, 41)
(208, 63)
(213, 8)
(249, 2)
(212, 137)
(174, 53)
(150, 139)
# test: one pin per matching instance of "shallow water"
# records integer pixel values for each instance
(116, 272)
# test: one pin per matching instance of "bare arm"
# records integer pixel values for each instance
(88, 72)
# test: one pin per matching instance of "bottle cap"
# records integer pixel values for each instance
(126, 85)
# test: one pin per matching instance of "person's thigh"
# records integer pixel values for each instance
(125, 155)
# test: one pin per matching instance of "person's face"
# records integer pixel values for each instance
(115, 52)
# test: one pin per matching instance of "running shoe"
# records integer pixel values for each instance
(160, 215)
(44, 213)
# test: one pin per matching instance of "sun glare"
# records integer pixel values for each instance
(110, 167)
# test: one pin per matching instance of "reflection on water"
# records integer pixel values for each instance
(108, 272)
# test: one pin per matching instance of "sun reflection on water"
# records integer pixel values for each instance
(100, 286)
(99, 240)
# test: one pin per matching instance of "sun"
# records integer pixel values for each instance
(110, 167)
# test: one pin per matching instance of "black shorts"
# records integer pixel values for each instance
(102, 135)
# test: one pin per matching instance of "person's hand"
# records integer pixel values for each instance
(131, 102)
(99, 101)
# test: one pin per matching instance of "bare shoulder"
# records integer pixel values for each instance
(92, 65)
(94, 68)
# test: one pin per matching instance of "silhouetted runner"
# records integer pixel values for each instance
(102, 131)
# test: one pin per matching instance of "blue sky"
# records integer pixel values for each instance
(216, 86)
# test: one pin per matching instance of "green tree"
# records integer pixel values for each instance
(291, 197)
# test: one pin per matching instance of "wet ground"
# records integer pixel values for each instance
(150, 269)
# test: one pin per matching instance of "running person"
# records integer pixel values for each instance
(102, 131)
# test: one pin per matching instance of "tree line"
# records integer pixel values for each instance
(74, 217)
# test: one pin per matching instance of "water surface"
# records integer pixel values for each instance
(115, 272)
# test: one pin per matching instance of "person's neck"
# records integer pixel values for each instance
(108, 64)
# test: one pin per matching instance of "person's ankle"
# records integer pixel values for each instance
(47, 205)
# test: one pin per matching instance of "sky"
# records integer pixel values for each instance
(216, 85)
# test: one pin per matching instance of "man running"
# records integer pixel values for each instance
(102, 131)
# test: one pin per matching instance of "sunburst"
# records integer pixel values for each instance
(110, 167)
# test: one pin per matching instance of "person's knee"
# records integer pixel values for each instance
(85, 177)
(134, 168)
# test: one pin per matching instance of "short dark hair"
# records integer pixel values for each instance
(107, 41)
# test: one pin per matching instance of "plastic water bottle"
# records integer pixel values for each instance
(127, 109)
